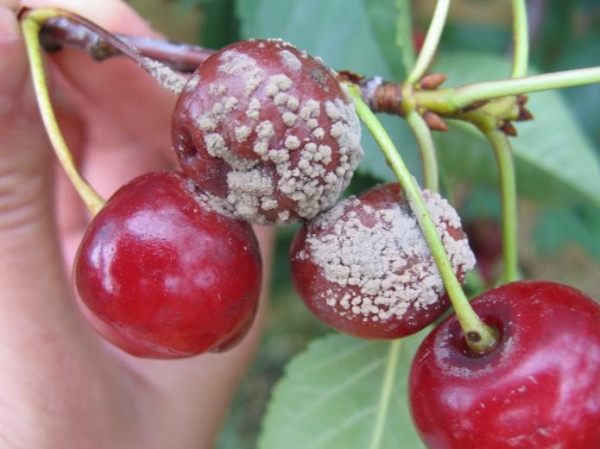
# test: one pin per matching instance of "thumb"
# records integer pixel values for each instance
(36, 298)
(23, 145)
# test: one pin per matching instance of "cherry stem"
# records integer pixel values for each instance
(449, 100)
(503, 151)
(504, 159)
(430, 43)
(389, 379)
(57, 34)
(64, 28)
(479, 337)
(68, 25)
(404, 34)
(424, 139)
(90, 197)
(521, 39)
(415, 121)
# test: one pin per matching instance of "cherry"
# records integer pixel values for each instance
(538, 388)
(163, 275)
(485, 237)
(267, 131)
(236, 337)
(364, 267)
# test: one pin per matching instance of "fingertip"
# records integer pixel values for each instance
(13, 61)
(9, 27)
(114, 15)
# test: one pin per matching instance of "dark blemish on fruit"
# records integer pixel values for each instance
(319, 77)
(254, 137)
(474, 337)
(367, 278)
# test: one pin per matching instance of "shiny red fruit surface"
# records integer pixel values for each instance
(165, 276)
(364, 268)
(267, 131)
(539, 388)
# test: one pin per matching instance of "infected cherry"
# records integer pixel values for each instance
(538, 388)
(485, 237)
(364, 267)
(163, 275)
(267, 132)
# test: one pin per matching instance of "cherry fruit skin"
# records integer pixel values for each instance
(267, 131)
(538, 388)
(485, 237)
(364, 268)
(163, 275)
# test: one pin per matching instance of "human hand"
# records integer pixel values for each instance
(61, 385)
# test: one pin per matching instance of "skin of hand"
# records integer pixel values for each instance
(60, 384)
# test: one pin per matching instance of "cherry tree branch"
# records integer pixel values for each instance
(65, 29)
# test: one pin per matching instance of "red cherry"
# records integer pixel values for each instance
(236, 337)
(539, 387)
(418, 39)
(165, 276)
(485, 237)
(267, 131)
(364, 267)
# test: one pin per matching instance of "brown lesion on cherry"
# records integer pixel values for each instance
(471, 344)
(473, 337)
(474, 340)
(318, 77)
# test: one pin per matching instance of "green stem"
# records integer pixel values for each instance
(386, 393)
(426, 145)
(431, 41)
(404, 34)
(478, 335)
(503, 151)
(447, 101)
(504, 160)
(91, 198)
(521, 39)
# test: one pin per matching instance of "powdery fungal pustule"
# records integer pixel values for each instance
(164, 75)
(365, 268)
(267, 132)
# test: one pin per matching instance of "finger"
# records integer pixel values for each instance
(118, 86)
(10, 4)
(122, 136)
(53, 361)
(35, 297)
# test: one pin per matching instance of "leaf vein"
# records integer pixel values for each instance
(323, 398)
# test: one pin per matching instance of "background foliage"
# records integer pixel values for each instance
(557, 164)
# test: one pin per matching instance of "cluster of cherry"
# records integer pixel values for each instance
(170, 267)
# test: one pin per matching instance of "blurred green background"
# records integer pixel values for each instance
(559, 228)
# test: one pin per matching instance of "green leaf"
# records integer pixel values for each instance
(557, 227)
(382, 16)
(472, 36)
(405, 40)
(358, 35)
(330, 395)
(220, 26)
(352, 34)
(192, 3)
(579, 52)
(555, 160)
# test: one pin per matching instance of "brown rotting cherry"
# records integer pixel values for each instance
(364, 267)
(267, 132)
